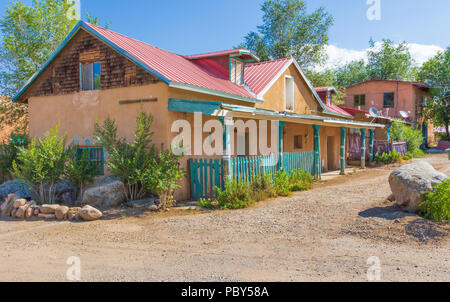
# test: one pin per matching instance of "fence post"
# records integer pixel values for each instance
(363, 148)
(280, 144)
(342, 151)
(227, 123)
(317, 165)
(371, 131)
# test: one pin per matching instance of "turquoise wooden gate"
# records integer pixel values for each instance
(205, 175)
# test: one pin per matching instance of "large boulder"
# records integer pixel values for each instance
(16, 186)
(89, 213)
(48, 208)
(109, 192)
(61, 212)
(410, 181)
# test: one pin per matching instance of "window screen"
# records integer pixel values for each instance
(289, 93)
(388, 100)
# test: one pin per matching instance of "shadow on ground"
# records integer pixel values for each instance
(425, 230)
(389, 212)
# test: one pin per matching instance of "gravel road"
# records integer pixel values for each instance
(326, 234)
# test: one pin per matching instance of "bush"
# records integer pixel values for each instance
(300, 180)
(281, 183)
(388, 158)
(79, 171)
(129, 161)
(235, 195)
(162, 177)
(401, 132)
(42, 164)
(8, 154)
(437, 203)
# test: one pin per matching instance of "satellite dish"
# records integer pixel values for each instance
(373, 112)
(404, 114)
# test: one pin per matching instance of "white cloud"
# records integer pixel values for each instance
(340, 56)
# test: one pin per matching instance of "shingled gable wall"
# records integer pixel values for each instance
(62, 76)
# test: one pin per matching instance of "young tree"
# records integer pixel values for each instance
(351, 73)
(436, 72)
(30, 34)
(288, 30)
(389, 62)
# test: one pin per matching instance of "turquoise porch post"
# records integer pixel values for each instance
(372, 132)
(227, 170)
(363, 148)
(342, 151)
(388, 132)
(280, 144)
(317, 165)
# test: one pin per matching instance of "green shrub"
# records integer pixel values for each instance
(79, 171)
(162, 176)
(262, 188)
(43, 164)
(437, 203)
(8, 154)
(401, 132)
(235, 195)
(418, 153)
(129, 161)
(300, 180)
(281, 183)
(388, 158)
(206, 203)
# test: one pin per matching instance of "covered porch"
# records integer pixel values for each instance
(309, 142)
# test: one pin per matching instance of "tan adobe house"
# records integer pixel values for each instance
(394, 99)
(97, 73)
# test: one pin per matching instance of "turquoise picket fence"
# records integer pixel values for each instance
(205, 175)
(299, 160)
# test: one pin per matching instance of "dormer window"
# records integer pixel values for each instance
(236, 71)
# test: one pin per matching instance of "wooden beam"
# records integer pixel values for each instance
(124, 102)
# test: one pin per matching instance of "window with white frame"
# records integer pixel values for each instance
(237, 72)
(289, 93)
(90, 76)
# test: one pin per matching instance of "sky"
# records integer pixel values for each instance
(197, 26)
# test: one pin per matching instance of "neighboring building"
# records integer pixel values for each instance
(326, 94)
(97, 73)
(390, 97)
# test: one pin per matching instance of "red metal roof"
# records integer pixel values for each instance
(336, 109)
(257, 76)
(173, 67)
(350, 110)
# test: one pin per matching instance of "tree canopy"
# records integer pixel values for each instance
(30, 34)
(288, 30)
(436, 73)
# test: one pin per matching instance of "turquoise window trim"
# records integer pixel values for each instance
(95, 157)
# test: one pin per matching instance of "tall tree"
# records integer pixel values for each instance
(436, 73)
(351, 73)
(30, 34)
(288, 30)
(389, 61)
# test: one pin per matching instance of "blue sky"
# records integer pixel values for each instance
(194, 26)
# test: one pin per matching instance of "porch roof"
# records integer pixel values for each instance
(228, 110)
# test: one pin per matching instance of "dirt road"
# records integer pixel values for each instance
(326, 234)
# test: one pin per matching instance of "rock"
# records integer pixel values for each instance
(36, 211)
(143, 203)
(72, 213)
(105, 194)
(48, 208)
(16, 186)
(410, 181)
(13, 213)
(391, 197)
(9, 206)
(153, 208)
(19, 202)
(89, 213)
(20, 212)
(47, 216)
(29, 212)
(59, 189)
(61, 212)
